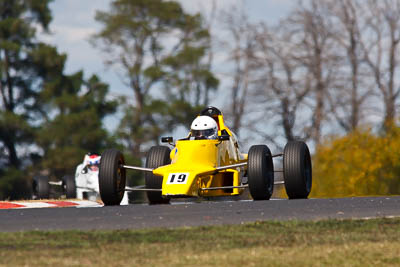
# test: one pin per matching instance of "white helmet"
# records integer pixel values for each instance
(92, 161)
(204, 127)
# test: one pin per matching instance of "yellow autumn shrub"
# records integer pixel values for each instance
(358, 164)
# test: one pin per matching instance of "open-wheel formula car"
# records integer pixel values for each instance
(84, 185)
(207, 163)
(43, 188)
(87, 181)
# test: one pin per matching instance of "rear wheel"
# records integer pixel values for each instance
(41, 187)
(112, 177)
(69, 186)
(157, 156)
(297, 170)
(260, 172)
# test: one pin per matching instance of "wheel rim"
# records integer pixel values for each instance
(118, 181)
(270, 173)
(120, 175)
(307, 172)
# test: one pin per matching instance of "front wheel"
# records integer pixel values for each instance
(112, 177)
(260, 172)
(297, 170)
(157, 156)
(69, 186)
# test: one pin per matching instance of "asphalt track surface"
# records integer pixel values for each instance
(140, 216)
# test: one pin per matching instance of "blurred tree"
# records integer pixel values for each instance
(188, 80)
(18, 78)
(160, 50)
(73, 127)
(316, 53)
(358, 164)
(282, 86)
(14, 185)
(240, 49)
(348, 102)
(19, 87)
(381, 48)
(48, 120)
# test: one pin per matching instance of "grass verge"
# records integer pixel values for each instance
(323, 243)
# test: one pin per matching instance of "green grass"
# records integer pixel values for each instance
(324, 243)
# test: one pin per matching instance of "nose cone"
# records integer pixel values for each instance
(193, 159)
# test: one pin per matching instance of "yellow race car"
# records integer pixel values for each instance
(207, 163)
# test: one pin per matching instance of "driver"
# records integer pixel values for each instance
(204, 127)
(94, 161)
(91, 162)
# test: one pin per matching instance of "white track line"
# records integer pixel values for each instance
(49, 204)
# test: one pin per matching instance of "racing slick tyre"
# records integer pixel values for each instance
(260, 172)
(41, 187)
(157, 156)
(112, 177)
(69, 186)
(297, 170)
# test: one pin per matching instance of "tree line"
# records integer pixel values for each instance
(328, 67)
(327, 73)
(50, 119)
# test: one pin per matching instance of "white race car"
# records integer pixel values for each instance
(85, 185)
(87, 179)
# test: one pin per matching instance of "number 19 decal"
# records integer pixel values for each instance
(177, 178)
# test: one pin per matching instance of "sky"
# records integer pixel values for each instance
(73, 24)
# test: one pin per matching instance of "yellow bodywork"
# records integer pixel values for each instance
(193, 167)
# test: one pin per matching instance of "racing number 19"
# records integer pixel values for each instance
(181, 178)
(177, 178)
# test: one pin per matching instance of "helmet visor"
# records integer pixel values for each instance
(94, 167)
(203, 133)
